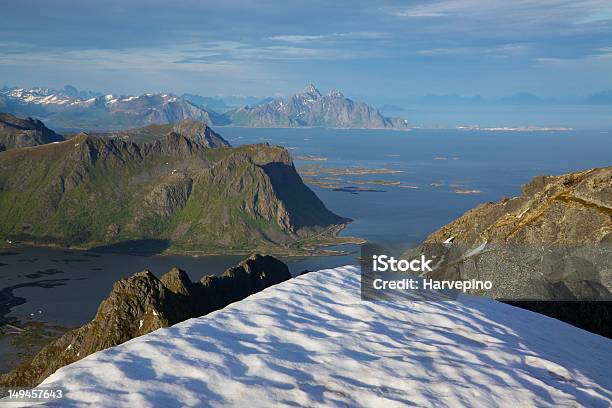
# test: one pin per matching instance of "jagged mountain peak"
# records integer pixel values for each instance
(142, 303)
(310, 89)
(334, 93)
(310, 108)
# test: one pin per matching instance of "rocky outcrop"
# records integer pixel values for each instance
(17, 132)
(177, 281)
(310, 108)
(141, 304)
(548, 249)
(200, 133)
(250, 276)
(573, 208)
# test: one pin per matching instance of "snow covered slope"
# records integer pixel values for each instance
(311, 341)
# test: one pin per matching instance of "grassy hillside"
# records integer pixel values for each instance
(175, 194)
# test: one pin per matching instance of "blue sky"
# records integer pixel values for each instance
(379, 51)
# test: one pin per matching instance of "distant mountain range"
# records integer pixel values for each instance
(70, 108)
(310, 108)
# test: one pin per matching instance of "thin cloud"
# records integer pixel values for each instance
(599, 56)
(356, 35)
(505, 50)
(578, 10)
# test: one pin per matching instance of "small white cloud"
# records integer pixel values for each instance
(296, 38)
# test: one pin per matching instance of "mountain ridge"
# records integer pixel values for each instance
(175, 193)
(17, 132)
(143, 303)
(70, 108)
(197, 131)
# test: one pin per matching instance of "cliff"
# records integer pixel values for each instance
(16, 132)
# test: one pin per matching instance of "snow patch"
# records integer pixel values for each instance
(476, 250)
(312, 341)
(523, 212)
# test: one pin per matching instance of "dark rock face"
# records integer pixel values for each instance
(250, 276)
(310, 108)
(28, 132)
(593, 316)
(548, 249)
(141, 304)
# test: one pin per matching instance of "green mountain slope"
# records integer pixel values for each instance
(176, 193)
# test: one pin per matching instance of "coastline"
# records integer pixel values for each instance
(305, 251)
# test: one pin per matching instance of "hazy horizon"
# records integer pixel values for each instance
(378, 53)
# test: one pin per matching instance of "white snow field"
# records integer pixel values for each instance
(311, 341)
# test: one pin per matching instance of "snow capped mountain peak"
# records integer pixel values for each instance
(69, 95)
(334, 93)
(311, 90)
(100, 111)
(39, 96)
(309, 108)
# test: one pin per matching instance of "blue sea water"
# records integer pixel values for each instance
(584, 117)
(496, 163)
